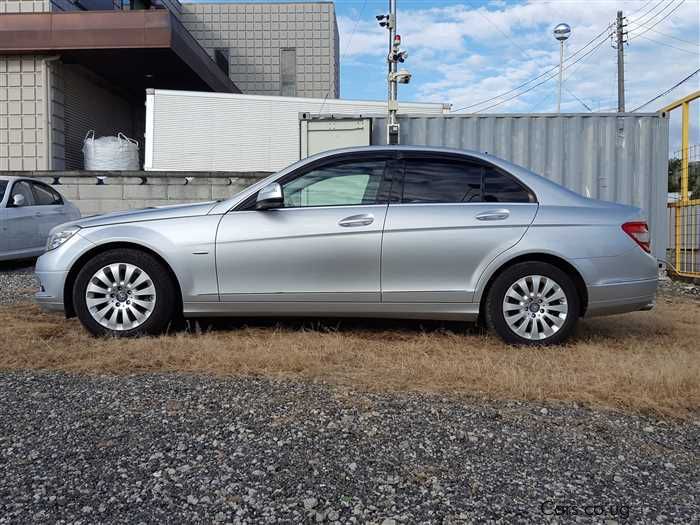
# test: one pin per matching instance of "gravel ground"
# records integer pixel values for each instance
(17, 282)
(165, 448)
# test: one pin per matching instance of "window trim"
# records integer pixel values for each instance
(383, 196)
(407, 155)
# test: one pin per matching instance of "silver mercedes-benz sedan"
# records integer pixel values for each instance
(29, 209)
(399, 231)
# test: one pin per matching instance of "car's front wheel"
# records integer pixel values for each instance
(124, 292)
(532, 303)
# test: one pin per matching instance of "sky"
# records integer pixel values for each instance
(475, 54)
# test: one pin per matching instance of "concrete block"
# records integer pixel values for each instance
(102, 191)
(69, 191)
(145, 191)
(144, 203)
(190, 192)
(224, 192)
(92, 206)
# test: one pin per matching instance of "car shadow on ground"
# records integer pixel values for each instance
(329, 325)
(18, 265)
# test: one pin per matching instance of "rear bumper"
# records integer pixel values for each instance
(622, 297)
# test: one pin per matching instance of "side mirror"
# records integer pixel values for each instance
(18, 200)
(270, 196)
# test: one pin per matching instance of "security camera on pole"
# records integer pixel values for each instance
(395, 77)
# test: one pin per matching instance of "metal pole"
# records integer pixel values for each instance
(620, 64)
(561, 73)
(392, 135)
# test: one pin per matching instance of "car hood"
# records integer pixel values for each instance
(145, 214)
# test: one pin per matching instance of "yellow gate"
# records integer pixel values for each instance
(684, 205)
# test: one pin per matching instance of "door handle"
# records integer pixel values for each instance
(357, 220)
(493, 215)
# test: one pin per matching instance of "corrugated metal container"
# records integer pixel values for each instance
(614, 157)
(193, 131)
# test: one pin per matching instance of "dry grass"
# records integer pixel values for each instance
(648, 362)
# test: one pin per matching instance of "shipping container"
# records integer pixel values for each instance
(614, 157)
(193, 131)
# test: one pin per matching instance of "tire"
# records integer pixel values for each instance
(532, 303)
(140, 301)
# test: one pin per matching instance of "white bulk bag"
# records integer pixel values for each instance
(118, 153)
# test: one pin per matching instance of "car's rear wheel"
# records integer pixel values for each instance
(533, 303)
(124, 292)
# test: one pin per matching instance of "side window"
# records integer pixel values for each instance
(499, 187)
(337, 184)
(22, 188)
(45, 196)
(438, 181)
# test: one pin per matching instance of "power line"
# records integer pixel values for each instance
(668, 90)
(554, 68)
(658, 22)
(649, 11)
(522, 51)
(638, 10)
(672, 36)
(347, 47)
(547, 79)
(668, 45)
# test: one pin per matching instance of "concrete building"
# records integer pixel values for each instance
(70, 66)
(288, 49)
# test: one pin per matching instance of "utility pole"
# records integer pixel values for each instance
(393, 105)
(620, 45)
(394, 77)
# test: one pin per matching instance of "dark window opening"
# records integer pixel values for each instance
(45, 196)
(499, 187)
(221, 59)
(436, 181)
(288, 72)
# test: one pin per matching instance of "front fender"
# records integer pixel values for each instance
(185, 244)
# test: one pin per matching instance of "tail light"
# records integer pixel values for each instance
(639, 231)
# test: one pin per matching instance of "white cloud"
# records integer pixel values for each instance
(465, 54)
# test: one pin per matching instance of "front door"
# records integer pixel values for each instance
(323, 244)
(453, 217)
(23, 237)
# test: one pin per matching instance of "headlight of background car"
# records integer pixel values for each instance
(58, 237)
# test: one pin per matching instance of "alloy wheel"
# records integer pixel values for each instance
(120, 296)
(535, 307)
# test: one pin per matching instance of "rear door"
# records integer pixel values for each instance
(450, 217)
(50, 209)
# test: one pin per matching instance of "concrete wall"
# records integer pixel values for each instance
(103, 192)
(254, 35)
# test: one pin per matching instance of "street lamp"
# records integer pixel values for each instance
(562, 32)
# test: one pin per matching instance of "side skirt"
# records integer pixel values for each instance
(438, 311)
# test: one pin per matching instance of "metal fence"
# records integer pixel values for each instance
(684, 198)
(615, 157)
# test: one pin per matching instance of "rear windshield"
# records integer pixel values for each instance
(3, 187)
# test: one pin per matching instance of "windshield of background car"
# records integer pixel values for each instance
(3, 187)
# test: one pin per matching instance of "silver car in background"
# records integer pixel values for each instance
(29, 209)
(398, 231)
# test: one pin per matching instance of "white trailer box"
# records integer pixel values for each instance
(193, 131)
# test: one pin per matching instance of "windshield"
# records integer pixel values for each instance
(3, 186)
